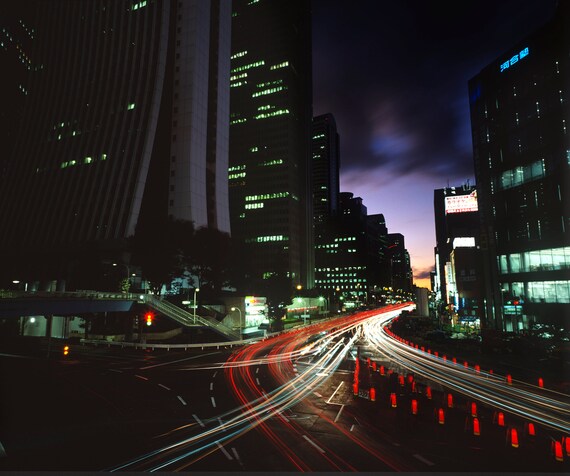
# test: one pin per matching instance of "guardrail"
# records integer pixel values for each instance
(152, 346)
(7, 294)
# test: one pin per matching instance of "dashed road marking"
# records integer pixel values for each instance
(334, 393)
(181, 399)
(115, 370)
(314, 444)
(257, 380)
(234, 451)
(338, 414)
(2, 451)
(229, 456)
(352, 428)
(317, 394)
(199, 421)
(213, 402)
(180, 360)
(424, 460)
(215, 373)
(257, 370)
(211, 386)
(141, 377)
(163, 386)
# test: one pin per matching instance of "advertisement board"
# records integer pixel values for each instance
(461, 203)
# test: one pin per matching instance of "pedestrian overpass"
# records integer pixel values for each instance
(16, 304)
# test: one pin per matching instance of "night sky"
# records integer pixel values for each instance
(394, 74)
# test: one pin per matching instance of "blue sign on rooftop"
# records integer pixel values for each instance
(514, 59)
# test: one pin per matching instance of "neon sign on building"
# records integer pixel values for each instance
(514, 59)
(461, 203)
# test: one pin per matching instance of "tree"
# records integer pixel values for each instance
(158, 248)
(207, 257)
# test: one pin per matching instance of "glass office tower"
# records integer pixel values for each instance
(270, 131)
(520, 121)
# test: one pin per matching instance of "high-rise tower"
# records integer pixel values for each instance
(270, 130)
(520, 121)
(127, 118)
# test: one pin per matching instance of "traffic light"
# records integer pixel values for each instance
(149, 318)
(65, 350)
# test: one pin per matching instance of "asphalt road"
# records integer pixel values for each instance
(99, 408)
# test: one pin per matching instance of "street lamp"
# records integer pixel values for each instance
(240, 328)
(196, 290)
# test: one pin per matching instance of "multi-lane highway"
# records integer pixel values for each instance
(283, 403)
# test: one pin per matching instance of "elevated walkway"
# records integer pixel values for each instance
(15, 304)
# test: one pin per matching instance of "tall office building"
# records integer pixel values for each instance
(270, 131)
(325, 159)
(127, 119)
(17, 25)
(520, 121)
(458, 274)
(401, 266)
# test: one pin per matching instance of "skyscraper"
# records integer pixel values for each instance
(127, 118)
(326, 167)
(520, 125)
(17, 24)
(270, 130)
(458, 274)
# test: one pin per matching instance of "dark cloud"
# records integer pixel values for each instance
(394, 74)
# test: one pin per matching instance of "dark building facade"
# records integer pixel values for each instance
(457, 237)
(270, 131)
(401, 267)
(520, 125)
(127, 120)
(17, 35)
(342, 251)
(325, 159)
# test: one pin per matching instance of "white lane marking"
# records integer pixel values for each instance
(211, 386)
(257, 370)
(181, 399)
(2, 451)
(352, 428)
(257, 380)
(215, 373)
(199, 421)
(284, 417)
(317, 394)
(338, 414)
(423, 460)
(180, 360)
(115, 370)
(141, 377)
(213, 402)
(314, 444)
(334, 393)
(229, 456)
(234, 451)
(163, 386)
(397, 444)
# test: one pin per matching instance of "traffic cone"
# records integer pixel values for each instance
(476, 427)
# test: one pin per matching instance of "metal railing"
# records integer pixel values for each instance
(187, 319)
(152, 346)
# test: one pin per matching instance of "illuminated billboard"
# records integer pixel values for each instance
(461, 203)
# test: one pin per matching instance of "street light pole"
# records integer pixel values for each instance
(240, 320)
(196, 290)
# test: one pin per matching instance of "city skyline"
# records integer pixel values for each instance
(402, 110)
